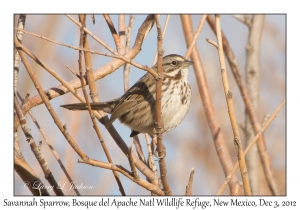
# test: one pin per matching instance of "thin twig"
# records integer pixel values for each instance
(138, 148)
(93, 19)
(102, 118)
(26, 173)
(212, 43)
(188, 190)
(159, 124)
(265, 158)
(131, 189)
(119, 46)
(126, 173)
(212, 118)
(228, 95)
(94, 95)
(163, 34)
(267, 116)
(151, 164)
(274, 115)
(92, 35)
(51, 148)
(127, 47)
(136, 140)
(191, 46)
(49, 107)
(150, 155)
(69, 87)
(36, 149)
(21, 166)
(73, 72)
(151, 71)
(19, 35)
(122, 33)
(131, 163)
(246, 19)
(252, 77)
(105, 69)
(63, 129)
(239, 188)
(123, 58)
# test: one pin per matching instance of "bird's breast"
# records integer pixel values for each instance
(176, 101)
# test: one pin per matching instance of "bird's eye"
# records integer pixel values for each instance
(174, 63)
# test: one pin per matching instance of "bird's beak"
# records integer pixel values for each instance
(187, 63)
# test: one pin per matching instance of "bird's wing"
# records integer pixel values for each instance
(123, 108)
(128, 103)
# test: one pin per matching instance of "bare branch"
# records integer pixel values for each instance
(35, 149)
(127, 47)
(151, 163)
(21, 166)
(19, 34)
(252, 76)
(159, 124)
(150, 155)
(26, 173)
(213, 122)
(52, 149)
(94, 95)
(212, 43)
(188, 190)
(228, 95)
(189, 51)
(246, 98)
(138, 148)
(246, 19)
(274, 115)
(73, 72)
(93, 36)
(126, 173)
(103, 118)
(98, 74)
(93, 19)
(49, 107)
(122, 33)
(120, 47)
(267, 116)
(163, 34)
(145, 68)
(131, 163)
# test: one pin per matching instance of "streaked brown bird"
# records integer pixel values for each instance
(136, 108)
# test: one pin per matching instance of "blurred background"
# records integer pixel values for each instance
(191, 143)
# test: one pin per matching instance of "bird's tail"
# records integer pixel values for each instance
(104, 106)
